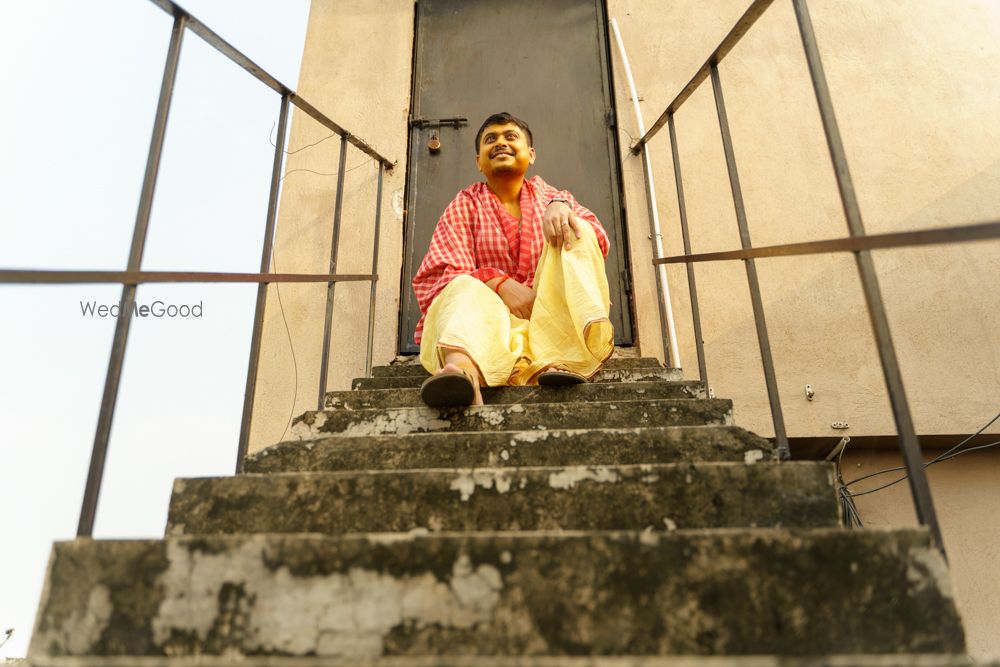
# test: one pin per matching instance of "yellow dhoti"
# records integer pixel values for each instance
(569, 325)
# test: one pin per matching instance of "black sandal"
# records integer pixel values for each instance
(448, 389)
(558, 377)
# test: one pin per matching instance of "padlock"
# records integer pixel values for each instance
(434, 144)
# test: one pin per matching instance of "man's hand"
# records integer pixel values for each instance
(559, 223)
(518, 298)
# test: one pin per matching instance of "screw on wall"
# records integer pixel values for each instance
(839, 425)
(810, 394)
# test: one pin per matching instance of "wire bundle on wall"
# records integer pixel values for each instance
(850, 511)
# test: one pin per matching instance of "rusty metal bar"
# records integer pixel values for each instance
(331, 288)
(371, 301)
(265, 266)
(36, 277)
(95, 475)
(235, 55)
(692, 286)
(741, 28)
(763, 341)
(942, 235)
(908, 443)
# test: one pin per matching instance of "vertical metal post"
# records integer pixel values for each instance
(671, 360)
(265, 267)
(908, 443)
(692, 287)
(331, 286)
(671, 353)
(371, 302)
(755, 299)
(95, 475)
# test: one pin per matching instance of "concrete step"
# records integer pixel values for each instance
(713, 592)
(558, 447)
(660, 497)
(646, 374)
(517, 417)
(908, 660)
(619, 391)
(619, 363)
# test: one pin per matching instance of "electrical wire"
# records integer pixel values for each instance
(320, 173)
(291, 347)
(941, 457)
(270, 139)
(274, 263)
(851, 513)
(900, 479)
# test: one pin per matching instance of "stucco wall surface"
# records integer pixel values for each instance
(966, 498)
(914, 88)
(356, 69)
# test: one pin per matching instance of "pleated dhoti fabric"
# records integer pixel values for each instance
(569, 325)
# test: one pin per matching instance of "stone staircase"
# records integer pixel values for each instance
(628, 520)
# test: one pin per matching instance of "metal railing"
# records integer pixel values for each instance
(859, 243)
(134, 275)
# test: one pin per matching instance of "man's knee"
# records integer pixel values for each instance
(587, 231)
(465, 283)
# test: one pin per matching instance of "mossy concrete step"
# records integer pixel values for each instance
(558, 447)
(517, 417)
(619, 391)
(618, 363)
(647, 374)
(661, 497)
(907, 660)
(712, 592)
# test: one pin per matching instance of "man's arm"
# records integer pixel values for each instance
(561, 220)
(450, 253)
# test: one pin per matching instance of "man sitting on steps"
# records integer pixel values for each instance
(512, 289)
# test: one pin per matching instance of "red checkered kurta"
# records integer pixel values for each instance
(477, 236)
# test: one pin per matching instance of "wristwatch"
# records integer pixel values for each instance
(562, 199)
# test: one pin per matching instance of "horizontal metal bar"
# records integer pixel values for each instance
(741, 28)
(943, 235)
(258, 72)
(30, 276)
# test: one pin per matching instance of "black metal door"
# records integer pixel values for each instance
(544, 62)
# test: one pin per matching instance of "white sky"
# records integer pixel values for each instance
(80, 85)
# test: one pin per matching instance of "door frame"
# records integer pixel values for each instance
(621, 249)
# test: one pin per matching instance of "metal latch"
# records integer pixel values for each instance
(440, 122)
(434, 143)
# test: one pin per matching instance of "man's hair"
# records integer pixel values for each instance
(503, 118)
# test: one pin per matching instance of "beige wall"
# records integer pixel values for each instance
(914, 95)
(356, 69)
(966, 498)
(914, 85)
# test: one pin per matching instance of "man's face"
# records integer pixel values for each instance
(504, 150)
